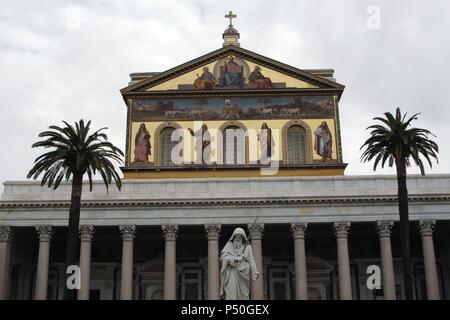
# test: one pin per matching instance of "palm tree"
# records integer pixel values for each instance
(397, 143)
(73, 153)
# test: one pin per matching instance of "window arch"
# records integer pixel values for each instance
(164, 144)
(297, 146)
(238, 145)
(233, 146)
(296, 141)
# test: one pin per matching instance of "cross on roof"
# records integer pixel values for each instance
(230, 16)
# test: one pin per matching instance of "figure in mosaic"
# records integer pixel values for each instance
(206, 81)
(142, 146)
(202, 144)
(258, 81)
(323, 145)
(266, 144)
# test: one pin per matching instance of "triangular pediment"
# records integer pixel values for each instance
(231, 67)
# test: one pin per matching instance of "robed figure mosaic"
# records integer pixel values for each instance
(206, 80)
(232, 76)
(202, 144)
(142, 146)
(258, 81)
(266, 144)
(323, 141)
(238, 267)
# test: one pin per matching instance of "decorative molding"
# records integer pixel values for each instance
(308, 140)
(426, 227)
(384, 228)
(298, 230)
(217, 93)
(87, 232)
(232, 123)
(128, 132)
(128, 231)
(341, 229)
(213, 231)
(6, 233)
(170, 231)
(256, 230)
(278, 201)
(45, 232)
(157, 140)
(338, 130)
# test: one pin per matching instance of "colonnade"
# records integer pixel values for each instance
(212, 231)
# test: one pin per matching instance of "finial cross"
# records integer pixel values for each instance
(230, 16)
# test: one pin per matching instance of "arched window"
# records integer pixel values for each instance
(296, 148)
(166, 146)
(234, 143)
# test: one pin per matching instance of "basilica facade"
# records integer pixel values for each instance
(230, 139)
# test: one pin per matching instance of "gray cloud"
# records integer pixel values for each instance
(68, 60)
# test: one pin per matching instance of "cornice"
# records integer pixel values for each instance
(231, 93)
(236, 202)
(218, 167)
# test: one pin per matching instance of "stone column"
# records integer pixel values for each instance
(345, 282)
(126, 279)
(256, 232)
(6, 234)
(212, 234)
(86, 234)
(170, 261)
(45, 236)
(384, 229)
(301, 281)
(426, 228)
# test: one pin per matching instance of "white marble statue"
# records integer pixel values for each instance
(238, 267)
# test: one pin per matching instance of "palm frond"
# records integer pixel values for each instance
(394, 140)
(74, 150)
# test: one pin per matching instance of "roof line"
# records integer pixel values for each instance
(221, 51)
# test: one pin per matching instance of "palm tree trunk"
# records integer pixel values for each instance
(404, 229)
(72, 231)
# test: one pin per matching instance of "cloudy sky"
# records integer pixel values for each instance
(68, 60)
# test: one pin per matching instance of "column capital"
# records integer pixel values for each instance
(213, 231)
(128, 231)
(6, 233)
(298, 230)
(384, 228)
(256, 230)
(170, 231)
(87, 232)
(45, 232)
(426, 227)
(342, 228)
